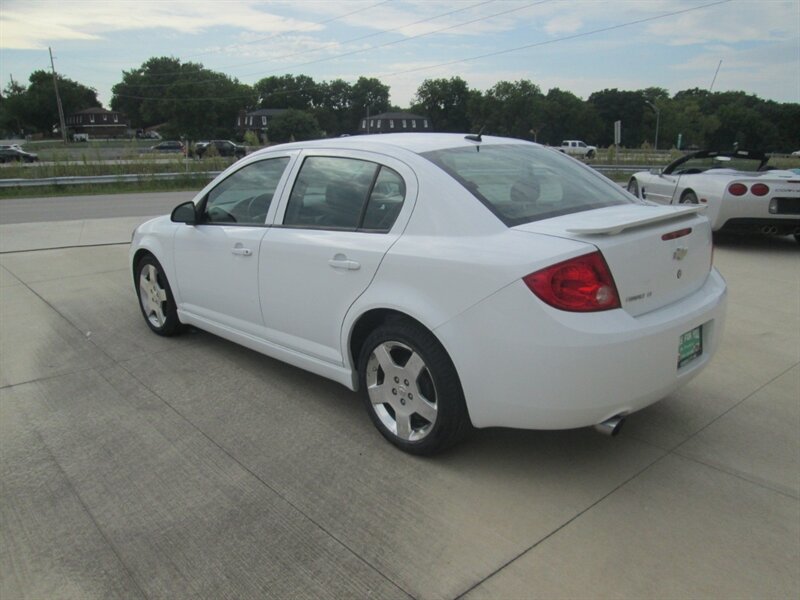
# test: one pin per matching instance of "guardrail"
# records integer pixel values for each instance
(92, 179)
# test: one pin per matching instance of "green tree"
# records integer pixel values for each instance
(293, 125)
(446, 102)
(335, 103)
(193, 101)
(626, 106)
(367, 94)
(567, 117)
(300, 92)
(34, 108)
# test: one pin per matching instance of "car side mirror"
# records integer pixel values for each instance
(184, 213)
(655, 171)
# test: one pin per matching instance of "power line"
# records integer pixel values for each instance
(357, 39)
(403, 40)
(488, 54)
(273, 36)
(284, 33)
(555, 40)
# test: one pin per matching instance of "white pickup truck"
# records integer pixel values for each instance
(578, 148)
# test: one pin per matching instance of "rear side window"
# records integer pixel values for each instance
(345, 194)
(522, 183)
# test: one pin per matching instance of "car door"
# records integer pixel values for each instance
(216, 260)
(660, 188)
(344, 212)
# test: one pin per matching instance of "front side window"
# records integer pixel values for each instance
(244, 197)
(345, 193)
(521, 183)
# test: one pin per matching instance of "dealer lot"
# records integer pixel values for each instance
(138, 466)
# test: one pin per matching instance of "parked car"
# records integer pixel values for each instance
(796, 153)
(456, 281)
(13, 152)
(578, 148)
(169, 146)
(223, 147)
(741, 191)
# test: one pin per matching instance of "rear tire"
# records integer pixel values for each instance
(411, 389)
(689, 197)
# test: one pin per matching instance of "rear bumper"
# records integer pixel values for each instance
(783, 225)
(523, 364)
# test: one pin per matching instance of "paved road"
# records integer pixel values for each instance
(69, 208)
(136, 466)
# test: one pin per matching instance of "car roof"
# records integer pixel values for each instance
(413, 142)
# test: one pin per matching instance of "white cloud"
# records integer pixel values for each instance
(34, 25)
(563, 24)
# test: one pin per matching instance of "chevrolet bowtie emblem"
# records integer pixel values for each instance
(680, 253)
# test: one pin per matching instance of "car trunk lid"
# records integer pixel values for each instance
(656, 254)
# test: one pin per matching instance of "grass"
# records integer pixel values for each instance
(182, 184)
(133, 166)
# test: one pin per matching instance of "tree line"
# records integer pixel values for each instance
(188, 100)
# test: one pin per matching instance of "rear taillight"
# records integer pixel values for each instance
(582, 284)
(759, 189)
(737, 189)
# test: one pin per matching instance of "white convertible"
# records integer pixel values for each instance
(456, 280)
(741, 191)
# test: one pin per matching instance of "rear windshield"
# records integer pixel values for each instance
(521, 183)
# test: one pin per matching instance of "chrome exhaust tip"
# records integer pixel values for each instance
(610, 426)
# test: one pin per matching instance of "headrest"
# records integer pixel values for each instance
(525, 190)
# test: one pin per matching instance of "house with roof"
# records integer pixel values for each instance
(97, 122)
(257, 121)
(395, 122)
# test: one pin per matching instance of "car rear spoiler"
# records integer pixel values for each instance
(614, 228)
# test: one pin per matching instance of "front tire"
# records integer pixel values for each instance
(411, 389)
(633, 187)
(155, 297)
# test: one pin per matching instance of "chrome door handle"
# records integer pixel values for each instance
(340, 261)
(241, 251)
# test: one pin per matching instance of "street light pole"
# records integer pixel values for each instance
(658, 119)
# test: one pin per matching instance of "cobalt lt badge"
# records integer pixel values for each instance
(680, 253)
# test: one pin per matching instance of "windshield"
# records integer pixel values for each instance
(521, 183)
(701, 164)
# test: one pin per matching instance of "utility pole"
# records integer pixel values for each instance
(711, 87)
(58, 98)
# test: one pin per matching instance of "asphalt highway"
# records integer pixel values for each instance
(68, 208)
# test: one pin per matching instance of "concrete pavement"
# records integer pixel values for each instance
(137, 466)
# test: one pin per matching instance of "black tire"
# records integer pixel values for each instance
(590, 154)
(159, 310)
(633, 187)
(436, 388)
(689, 197)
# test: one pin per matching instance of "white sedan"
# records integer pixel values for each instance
(741, 192)
(456, 281)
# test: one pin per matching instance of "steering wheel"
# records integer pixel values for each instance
(220, 215)
(256, 203)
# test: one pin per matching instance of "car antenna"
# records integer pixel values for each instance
(475, 138)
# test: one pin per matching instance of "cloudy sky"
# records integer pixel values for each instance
(576, 45)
